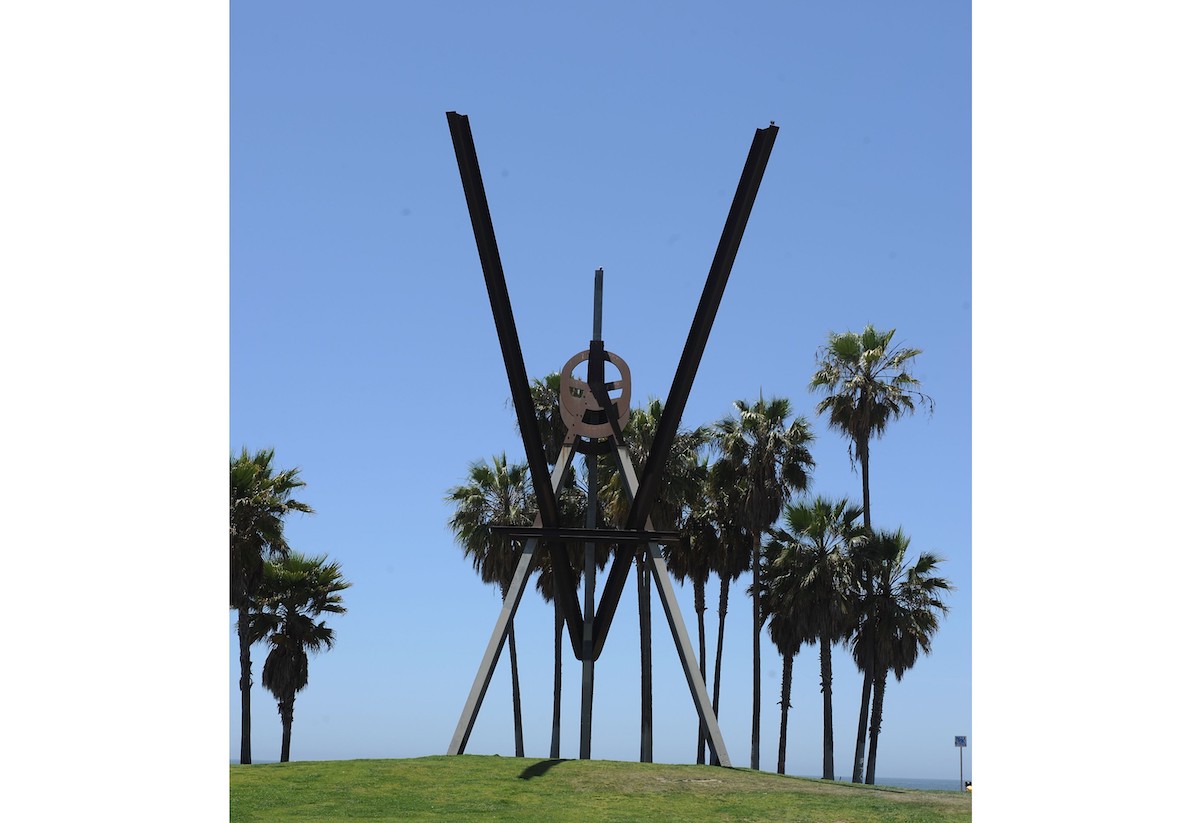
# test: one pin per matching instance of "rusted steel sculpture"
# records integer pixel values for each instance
(594, 421)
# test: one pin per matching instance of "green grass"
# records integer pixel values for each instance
(480, 788)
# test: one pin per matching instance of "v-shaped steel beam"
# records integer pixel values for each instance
(518, 379)
(685, 374)
(643, 495)
(514, 364)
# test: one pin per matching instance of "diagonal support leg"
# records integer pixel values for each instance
(683, 643)
(687, 657)
(495, 644)
(516, 588)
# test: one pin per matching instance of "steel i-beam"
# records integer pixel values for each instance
(514, 365)
(685, 375)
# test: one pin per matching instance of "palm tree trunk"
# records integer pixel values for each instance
(756, 702)
(698, 588)
(287, 707)
(556, 721)
(243, 630)
(722, 610)
(876, 723)
(827, 694)
(860, 743)
(647, 747)
(864, 460)
(518, 735)
(785, 703)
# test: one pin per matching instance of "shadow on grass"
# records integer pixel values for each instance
(539, 769)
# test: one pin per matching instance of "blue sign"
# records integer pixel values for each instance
(961, 742)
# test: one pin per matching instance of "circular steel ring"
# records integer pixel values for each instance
(580, 410)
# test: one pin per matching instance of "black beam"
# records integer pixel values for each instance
(514, 364)
(685, 375)
(599, 389)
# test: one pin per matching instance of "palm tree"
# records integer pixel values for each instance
(551, 427)
(785, 625)
(899, 618)
(867, 383)
(698, 554)
(495, 493)
(296, 590)
(259, 499)
(811, 577)
(771, 457)
(553, 431)
(683, 477)
(725, 492)
(572, 510)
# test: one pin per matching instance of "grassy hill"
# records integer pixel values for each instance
(481, 788)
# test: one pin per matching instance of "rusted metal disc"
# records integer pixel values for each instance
(580, 410)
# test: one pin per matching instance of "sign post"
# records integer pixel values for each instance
(961, 743)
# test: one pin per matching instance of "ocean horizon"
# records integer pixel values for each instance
(926, 784)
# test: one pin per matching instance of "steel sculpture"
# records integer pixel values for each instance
(594, 421)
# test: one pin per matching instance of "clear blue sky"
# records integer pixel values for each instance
(146, 255)
(362, 346)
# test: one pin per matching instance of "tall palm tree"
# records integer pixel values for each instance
(772, 458)
(900, 616)
(682, 477)
(785, 626)
(260, 497)
(867, 384)
(572, 510)
(552, 430)
(296, 590)
(811, 576)
(725, 492)
(496, 493)
(695, 558)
